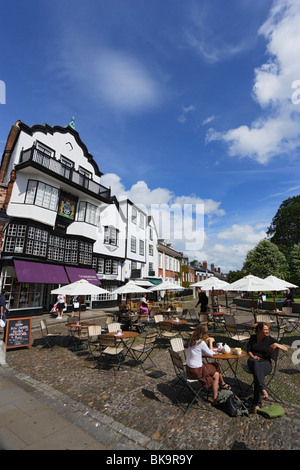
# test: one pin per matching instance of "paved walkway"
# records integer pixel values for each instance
(34, 416)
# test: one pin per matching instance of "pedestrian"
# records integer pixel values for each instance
(289, 299)
(3, 310)
(61, 301)
(259, 361)
(75, 304)
(202, 300)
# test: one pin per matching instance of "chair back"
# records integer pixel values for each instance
(158, 318)
(94, 330)
(177, 362)
(233, 308)
(44, 327)
(223, 309)
(203, 318)
(114, 327)
(263, 317)
(109, 319)
(150, 338)
(107, 341)
(179, 310)
(177, 344)
(165, 325)
(287, 310)
(184, 313)
(230, 325)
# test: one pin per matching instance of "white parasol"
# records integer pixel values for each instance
(80, 288)
(130, 288)
(212, 283)
(278, 285)
(251, 284)
(166, 285)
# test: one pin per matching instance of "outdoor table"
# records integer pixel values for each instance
(251, 324)
(281, 316)
(231, 359)
(177, 323)
(76, 331)
(125, 335)
(168, 313)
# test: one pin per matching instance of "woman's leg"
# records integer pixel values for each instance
(215, 387)
(259, 369)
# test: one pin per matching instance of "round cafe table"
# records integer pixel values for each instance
(177, 324)
(125, 335)
(231, 359)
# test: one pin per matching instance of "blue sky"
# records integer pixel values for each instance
(179, 102)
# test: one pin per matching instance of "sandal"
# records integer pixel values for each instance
(225, 387)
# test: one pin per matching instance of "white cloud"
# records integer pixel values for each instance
(245, 233)
(186, 109)
(115, 78)
(277, 131)
(208, 120)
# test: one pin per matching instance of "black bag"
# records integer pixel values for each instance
(231, 404)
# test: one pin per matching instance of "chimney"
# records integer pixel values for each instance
(212, 267)
(11, 139)
(204, 264)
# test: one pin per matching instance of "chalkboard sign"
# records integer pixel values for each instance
(18, 333)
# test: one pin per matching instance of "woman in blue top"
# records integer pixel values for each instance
(259, 361)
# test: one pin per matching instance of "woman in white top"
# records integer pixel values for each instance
(61, 300)
(208, 373)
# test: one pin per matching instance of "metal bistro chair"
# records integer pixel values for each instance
(234, 333)
(177, 345)
(49, 338)
(193, 386)
(93, 342)
(166, 330)
(142, 351)
(274, 356)
(110, 350)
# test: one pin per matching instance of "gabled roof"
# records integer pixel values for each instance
(46, 129)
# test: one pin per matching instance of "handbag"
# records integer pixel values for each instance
(2, 323)
(272, 411)
(76, 304)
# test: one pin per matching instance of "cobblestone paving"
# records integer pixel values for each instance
(144, 401)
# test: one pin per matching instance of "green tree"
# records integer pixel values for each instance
(235, 276)
(284, 230)
(294, 263)
(266, 259)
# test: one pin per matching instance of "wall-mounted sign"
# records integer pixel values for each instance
(67, 208)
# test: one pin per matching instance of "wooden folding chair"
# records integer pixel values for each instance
(195, 387)
(142, 351)
(49, 338)
(110, 350)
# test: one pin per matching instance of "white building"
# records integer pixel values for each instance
(64, 223)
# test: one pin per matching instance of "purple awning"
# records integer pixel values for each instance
(76, 274)
(40, 273)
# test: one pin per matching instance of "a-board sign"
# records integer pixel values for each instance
(18, 333)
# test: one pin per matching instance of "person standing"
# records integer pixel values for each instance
(61, 300)
(202, 300)
(3, 310)
(289, 299)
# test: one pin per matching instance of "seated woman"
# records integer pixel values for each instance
(143, 309)
(259, 361)
(208, 373)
